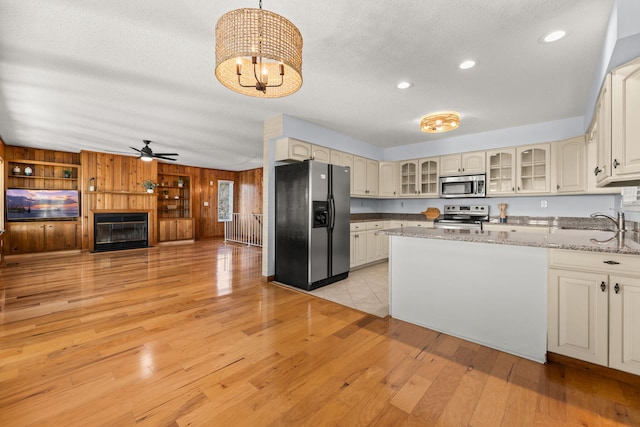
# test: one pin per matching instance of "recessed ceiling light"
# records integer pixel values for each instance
(467, 64)
(404, 85)
(554, 36)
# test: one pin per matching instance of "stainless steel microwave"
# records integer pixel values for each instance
(462, 186)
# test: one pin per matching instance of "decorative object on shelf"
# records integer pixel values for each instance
(67, 173)
(443, 121)
(180, 183)
(92, 184)
(431, 213)
(17, 170)
(149, 185)
(166, 193)
(176, 197)
(258, 53)
(28, 171)
(503, 212)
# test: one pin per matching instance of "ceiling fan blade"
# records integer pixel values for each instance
(165, 154)
(163, 158)
(133, 148)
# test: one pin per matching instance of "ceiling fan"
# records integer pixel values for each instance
(147, 154)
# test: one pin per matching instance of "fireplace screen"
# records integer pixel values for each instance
(114, 231)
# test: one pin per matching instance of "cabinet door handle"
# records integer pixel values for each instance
(557, 186)
(603, 286)
(616, 163)
(611, 262)
(596, 171)
(616, 288)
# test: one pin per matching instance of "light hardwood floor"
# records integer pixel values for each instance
(191, 335)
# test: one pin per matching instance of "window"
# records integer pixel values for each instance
(225, 201)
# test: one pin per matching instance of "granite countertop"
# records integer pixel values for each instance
(557, 238)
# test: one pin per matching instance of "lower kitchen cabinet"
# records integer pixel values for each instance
(175, 229)
(594, 308)
(42, 237)
(358, 248)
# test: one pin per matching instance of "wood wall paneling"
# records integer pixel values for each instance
(118, 179)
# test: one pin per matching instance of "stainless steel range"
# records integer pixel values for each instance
(463, 217)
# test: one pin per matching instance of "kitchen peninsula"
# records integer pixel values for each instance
(488, 287)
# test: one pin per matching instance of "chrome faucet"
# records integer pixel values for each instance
(619, 221)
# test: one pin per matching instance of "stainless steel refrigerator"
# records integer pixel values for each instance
(312, 224)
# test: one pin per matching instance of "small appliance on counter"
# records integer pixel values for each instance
(503, 212)
(463, 217)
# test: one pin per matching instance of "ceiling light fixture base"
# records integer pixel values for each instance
(443, 121)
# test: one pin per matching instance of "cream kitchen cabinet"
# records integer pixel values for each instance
(292, 149)
(625, 121)
(341, 158)
(592, 161)
(377, 243)
(387, 186)
(501, 171)
(594, 308)
(533, 172)
(462, 164)
(419, 178)
(365, 177)
(358, 244)
(618, 128)
(602, 168)
(320, 153)
(569, 160)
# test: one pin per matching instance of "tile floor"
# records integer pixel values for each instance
(366, 289)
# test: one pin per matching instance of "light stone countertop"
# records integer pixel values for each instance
(578, 240)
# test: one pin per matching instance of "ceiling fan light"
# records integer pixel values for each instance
(443, 121)
(145, 158)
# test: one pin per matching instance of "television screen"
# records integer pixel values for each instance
(25, 205)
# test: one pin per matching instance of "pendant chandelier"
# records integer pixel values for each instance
(258, 53)
(440, 122)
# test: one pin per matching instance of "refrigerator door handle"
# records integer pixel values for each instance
(332, 212)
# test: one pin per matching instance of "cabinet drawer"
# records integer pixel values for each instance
(579, 260)
(358, 226)
(375, 225)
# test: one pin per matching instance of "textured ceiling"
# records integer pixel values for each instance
(104, 75)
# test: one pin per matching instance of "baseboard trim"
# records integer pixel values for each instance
(596, 369)
(268, 278)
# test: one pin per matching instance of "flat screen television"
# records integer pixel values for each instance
(26, 205)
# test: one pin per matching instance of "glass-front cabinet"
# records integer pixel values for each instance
(428, 177)
(533, 170)
(501, 171)
(419, 178)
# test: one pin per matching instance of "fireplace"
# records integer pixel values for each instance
(120, 230)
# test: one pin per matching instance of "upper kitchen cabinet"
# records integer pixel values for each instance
(288, 149)
(341, 158)
(428, 170)
(532, 173)
(618, 128)
(462, 164)
(365, 177)
(320, 153)
(292, 149)
(419, 178)
(387, 186)
(408, 177)
(501, 171)
(569, 159)
(625, 121)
